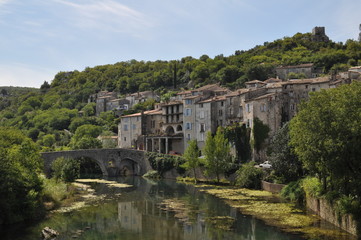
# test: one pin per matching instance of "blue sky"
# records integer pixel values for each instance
(40, 38)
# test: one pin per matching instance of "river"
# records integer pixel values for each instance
(148, 210)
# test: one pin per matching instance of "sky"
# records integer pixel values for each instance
(39, 38)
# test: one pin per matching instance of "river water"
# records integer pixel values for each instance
(148, 210)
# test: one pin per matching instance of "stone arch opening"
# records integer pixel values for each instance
(129, 167)
(89, 168)
(179, 128)
(169, 130)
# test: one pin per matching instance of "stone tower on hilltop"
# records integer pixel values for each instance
(319, 35)
(359, 36)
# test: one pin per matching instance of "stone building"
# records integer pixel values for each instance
(307, 69)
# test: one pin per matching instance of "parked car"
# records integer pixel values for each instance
(266, 164)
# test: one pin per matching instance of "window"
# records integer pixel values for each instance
(138, 119)
(202, 127)
(263, 107)
(222, 104)
(188, 126)
(125, 127)
(134, 126)
(201, 105)
(125, 139)
(248, 107)
(188, 137)
(152, 124)
(292, 106)
(220, 112)
(188, 101)
(249, 123)
(126, 119)
(188, 112)
(201, 114)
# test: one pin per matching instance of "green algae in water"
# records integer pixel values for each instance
(285, 216)
(221, 222)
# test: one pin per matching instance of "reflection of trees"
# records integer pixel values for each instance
(138, 216)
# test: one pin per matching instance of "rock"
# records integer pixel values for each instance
(47, 233)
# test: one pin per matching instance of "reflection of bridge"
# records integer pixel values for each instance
(112, 162)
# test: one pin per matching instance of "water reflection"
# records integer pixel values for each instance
(138, 213)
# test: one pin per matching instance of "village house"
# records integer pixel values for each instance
(192, 113)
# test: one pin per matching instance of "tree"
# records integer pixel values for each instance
(217, 154)
(20, 165)
(326, 136)
(66, 169)
(260, 134)
(285, 164)
(85, 137)
(191, 156)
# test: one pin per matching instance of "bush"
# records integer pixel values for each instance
(248, 176)
(153, 174)
(312, 186)
(164, 162)
(294, 192)
(66, 169)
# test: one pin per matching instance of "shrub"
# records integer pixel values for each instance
(312, 186)
(248, 176)
(294, 192)
(153, 174)
(66, 169)
(164, 162)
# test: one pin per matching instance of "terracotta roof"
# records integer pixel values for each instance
(237, 92)
(296, 66)
(214, 99)
(254, 81)
(184, 92)
(132, 115)
(261, 97)
(153, 112)
(273, 80)
(321, 80)
(274, 85)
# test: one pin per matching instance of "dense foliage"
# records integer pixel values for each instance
(326, 136)
(239, 137)
(286, 167)
(66, 169)
(248, 176)
(163, 162)
(21, 186)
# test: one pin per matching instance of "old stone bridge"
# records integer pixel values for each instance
(112, 162)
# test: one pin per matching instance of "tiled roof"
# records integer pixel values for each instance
(261, 97)
(296, 66)
(254, 81)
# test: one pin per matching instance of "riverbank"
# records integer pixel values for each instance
(271, 209)
(76, 195)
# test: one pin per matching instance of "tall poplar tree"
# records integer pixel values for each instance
(217, 154)
(191, 156)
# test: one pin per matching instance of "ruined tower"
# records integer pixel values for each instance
(319, 35)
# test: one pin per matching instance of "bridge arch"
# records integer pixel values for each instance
(110, 161)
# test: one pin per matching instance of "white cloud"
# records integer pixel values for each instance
(23, 75)
(107, 15)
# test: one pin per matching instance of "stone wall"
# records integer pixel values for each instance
(323, 209)
(272, 187)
